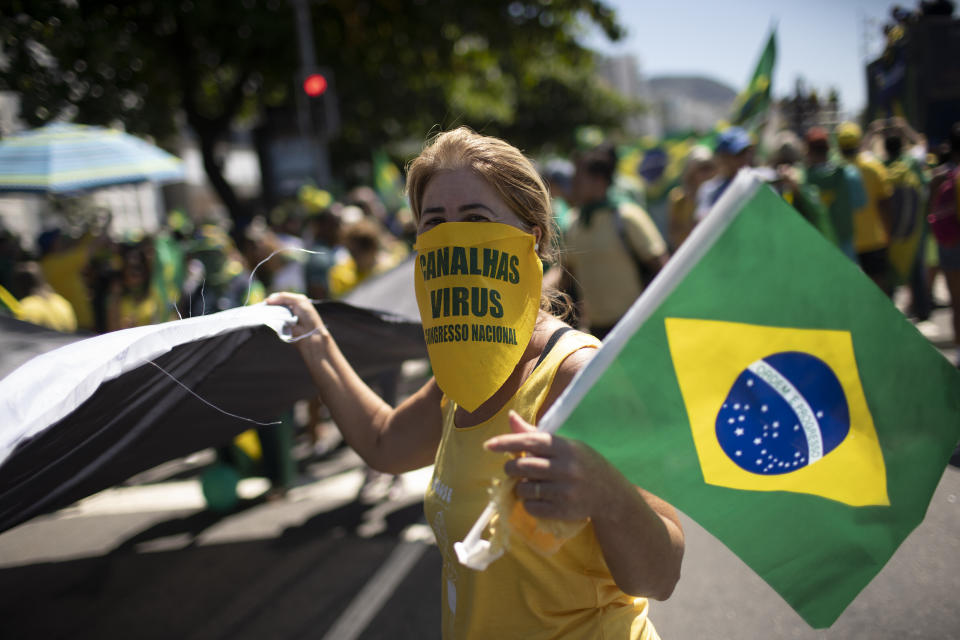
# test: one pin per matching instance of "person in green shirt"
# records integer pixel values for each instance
(790, 181)
(871, 223)
(840, 185)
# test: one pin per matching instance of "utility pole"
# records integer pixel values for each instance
(308, 66)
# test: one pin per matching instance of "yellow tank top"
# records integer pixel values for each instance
(523, 594)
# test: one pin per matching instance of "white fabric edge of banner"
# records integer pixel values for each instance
(50, 386)
(473, 551)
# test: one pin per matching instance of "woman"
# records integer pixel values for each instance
(133, 302)
(597, 583)
(367, 257)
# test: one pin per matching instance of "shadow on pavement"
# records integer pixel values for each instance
(291, 586)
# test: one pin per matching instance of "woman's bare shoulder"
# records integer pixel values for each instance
(573, 363)
(576, 360)
(569, 368)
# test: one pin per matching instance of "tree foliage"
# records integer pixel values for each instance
(402, 68)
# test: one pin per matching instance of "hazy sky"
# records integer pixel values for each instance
(825, 41)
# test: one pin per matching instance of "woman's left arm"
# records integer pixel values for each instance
(639, 534)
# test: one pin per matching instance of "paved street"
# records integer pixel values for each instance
(148, 561)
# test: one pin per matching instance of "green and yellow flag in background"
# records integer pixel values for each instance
(754, 101)
(8, 304)
(387, 181)
(767, 388)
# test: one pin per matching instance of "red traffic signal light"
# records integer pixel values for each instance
(314, 85)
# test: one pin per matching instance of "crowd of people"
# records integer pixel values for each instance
(869, 192)
(874, 193)
(92, 282)
(881, 196)
(80, 278)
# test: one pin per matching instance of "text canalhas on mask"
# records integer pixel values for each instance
(473, 302)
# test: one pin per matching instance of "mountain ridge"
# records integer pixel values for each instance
(693, 86)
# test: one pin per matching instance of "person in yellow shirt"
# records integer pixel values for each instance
(367, 258)
(612, 248)
(39, 303)
(871, 222)
(133, 302)
(483, 212)
(64, 265)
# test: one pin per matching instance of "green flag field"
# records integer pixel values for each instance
(767, 388)
(753, 102)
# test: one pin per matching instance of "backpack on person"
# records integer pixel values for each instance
(944, 216)
(645, 273)
(905, 209)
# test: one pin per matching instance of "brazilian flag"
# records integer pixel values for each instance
(387, 181)
(767, 388)
(754, 100)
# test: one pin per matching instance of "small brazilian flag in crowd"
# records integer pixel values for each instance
(9, 305)
(754, 100)
(767, 388)
(387, 181)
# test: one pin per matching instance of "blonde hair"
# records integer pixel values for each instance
(508, 171)
(503, 167)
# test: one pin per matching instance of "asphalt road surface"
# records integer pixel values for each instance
(147, 560)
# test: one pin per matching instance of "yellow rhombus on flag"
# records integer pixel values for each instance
(777, 437)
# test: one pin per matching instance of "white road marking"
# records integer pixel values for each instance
(369, 600)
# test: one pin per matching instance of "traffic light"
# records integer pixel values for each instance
(319, 94)
(314, 85)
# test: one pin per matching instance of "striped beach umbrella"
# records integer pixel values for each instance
(67, 158)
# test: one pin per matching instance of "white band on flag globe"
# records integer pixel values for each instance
(785, 389)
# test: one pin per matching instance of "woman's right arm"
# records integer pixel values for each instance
(393, 440)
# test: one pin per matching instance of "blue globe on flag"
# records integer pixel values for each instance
(784, 412)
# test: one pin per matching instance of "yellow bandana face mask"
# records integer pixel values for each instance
(478, 290)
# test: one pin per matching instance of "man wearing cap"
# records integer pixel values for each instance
(871, 222)
(841, 188)
(734, 152)
(612, 249)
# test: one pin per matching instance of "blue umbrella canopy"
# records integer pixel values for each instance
(65, 158)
